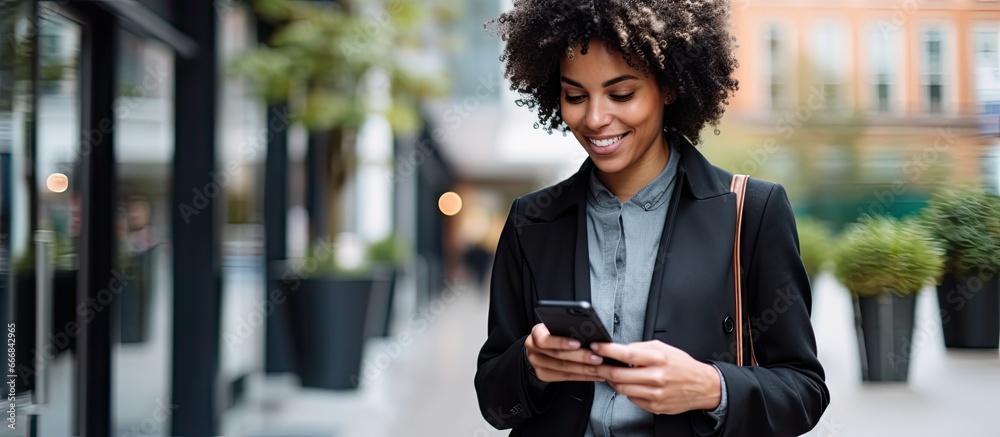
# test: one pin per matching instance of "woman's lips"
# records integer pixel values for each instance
(602, 147)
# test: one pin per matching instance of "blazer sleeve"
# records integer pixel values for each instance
(508, 394)
(786, 394)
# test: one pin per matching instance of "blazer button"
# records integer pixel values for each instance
(727, 325)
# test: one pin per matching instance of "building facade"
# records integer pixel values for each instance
(886, 99)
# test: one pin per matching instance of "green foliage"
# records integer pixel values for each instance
(814, 244)
(63, 255)
(237, 208)
(321, 58)
(53, 71)
(321, 261)
(967, 224)
(390, 249)
(882, 254)
(25, 262)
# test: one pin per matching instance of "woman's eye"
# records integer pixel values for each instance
(622, 97)
(574, 99)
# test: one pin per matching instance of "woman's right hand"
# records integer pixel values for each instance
(560, 358)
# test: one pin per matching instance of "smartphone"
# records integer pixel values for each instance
(577, 320)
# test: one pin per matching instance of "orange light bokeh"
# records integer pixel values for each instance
(57, 183)
(450, 203)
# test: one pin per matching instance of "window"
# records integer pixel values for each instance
(775, 76)
(883, 60)
(933, 76)
(54, 55)
(987, 70)
(829, 60)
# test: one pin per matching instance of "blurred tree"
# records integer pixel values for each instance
(333, 62)
(16, 73)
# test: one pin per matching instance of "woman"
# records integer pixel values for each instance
(645, 232)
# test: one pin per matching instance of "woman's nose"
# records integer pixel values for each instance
(597, 116)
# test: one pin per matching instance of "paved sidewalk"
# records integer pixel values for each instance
(425, 388)
(421, 387)
(949, 393)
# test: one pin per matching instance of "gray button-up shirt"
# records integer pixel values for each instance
(623, 242)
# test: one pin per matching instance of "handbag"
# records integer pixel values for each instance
(739, 187)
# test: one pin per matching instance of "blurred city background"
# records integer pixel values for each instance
(274, 218)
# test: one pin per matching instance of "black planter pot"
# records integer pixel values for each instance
(64, 311)
(25, 304)
(970, 312)
(279, 352)
(327, 321)
(135, 300)
(382, 300)
(61, 337)
(885, 332)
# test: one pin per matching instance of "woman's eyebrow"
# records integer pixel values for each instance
(570, 81)
(618, 79)
(606, 84)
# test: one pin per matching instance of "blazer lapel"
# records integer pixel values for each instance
(553, 235)
(662, 255)
(549, 253)
(689, 270)
(581, 267)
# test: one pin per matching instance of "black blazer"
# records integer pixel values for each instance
(542, 254)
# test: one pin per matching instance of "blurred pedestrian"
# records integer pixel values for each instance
(645, 232)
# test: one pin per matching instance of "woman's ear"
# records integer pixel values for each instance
(669, 95)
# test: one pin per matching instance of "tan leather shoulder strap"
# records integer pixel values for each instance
(739, 187)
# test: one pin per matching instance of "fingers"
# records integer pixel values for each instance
(626, 353)
(638, 354)
(562, 348)
(635, 375)
(542, 339)
(559, 358)
(638, 391)
(582, 356)
(557, 376)
(552, 369)
(653, 399)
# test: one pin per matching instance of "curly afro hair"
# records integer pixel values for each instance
(684, 44)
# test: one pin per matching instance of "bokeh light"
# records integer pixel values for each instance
(57, 183)
(450, 203)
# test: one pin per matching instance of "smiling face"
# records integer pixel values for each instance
(615, 112)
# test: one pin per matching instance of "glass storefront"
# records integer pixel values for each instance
(48, 143)
(58, 187)
(144, 150)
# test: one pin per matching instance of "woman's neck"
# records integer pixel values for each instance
(625, 183)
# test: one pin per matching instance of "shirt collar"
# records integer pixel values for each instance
(648, 198)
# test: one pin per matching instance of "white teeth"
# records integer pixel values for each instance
(607, 142)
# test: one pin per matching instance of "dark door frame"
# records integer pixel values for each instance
(197, 265)
(98, 61)
(100, 23)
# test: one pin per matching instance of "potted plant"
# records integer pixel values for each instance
(337, 64)
(64, 293)
(884, 263)
(814, 245)
(62, 310)
(24, 302)
(326, 307)
(387, 257)
(967, 225)
(135, 300)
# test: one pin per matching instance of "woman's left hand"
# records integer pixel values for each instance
(664, 379)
